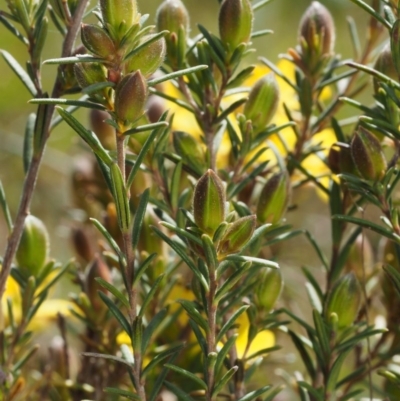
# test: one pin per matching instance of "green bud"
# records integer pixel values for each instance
(97, 268)
(120, 15)
(97, 41)
(130, 97)
(345, 300)
(237, 235)
(209, 202)
(33, 248)
(235, 22)
(317, 29)
(172, 16)
(268, 289)
(274, 199)
(89, 73)
(190, 150)
(367, 155)
(263, 102)
(149, 59)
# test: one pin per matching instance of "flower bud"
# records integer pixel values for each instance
(82, 244)
(274, 199)
(235, 22)
(268, 289)
(33, 248)
(209, 202)
(89, 73)
(120, 15)
(237, 235)
(263, 102)
(130, 97)
(367, 155)
(345, 300)
(317, 29)
(97, 41)
(97, 268)
(149, 59)
(155, 108)
(172, 16)
(190, 150)
(384, 64)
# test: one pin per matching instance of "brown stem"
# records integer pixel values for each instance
(32, 174)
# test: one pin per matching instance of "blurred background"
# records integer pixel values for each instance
(53, 201)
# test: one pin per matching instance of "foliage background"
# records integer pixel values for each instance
(52, 201)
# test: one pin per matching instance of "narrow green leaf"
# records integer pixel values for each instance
(178, 392)
(122, 393)
(116, 312)
(20, 72)
(81, 58)
(4, 207)
(254, 394)
(316, 394)
(372, 12)
(28, 141)
(13, 30)
(194, 314)
(108, 357)
(144, 44)
(175, 185)
(176, 74)
(143, 267)
(260, 4)
(146, 127)
(230, 322)
(224, 380)
(257, 261)
(152, 327)
(224, 352)
(68, 102)
(150, 295)
(305, 356)
(322, 334)
(260, 33)
(103, 231)
(25, 358)
(335, 371)
(113, 290)
(159, 358)
(321, 255)
(139, 217)
(120, 197)
(210, 252)
(187, 374)
(394, 276)
(39, 133)
(182, 233)
(88, 136)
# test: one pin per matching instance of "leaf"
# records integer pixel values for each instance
(114, 290)
(182, 233)
(230, 322)
(159, 358)
(194, 314)
(150, 295)
(143, 267)
(116, 312)
(139, 217)
(144, 44)
(120, 197)
(28, 141)
(210, 253)
(81, 58)
(103, 231)
(257, 261)
(175, 185)
(372, 12)
(321, 255)
(335, 371)
(146, 127)
(322, 334)
(20, 72)
(178, 392)
(176, 74)
(13, 30)
(305, 356)
(394, 276)
(5, 208)
(152, 327)
(224, 352)
(369, 225)
(88, 136)
(316, 394)
(107, 356)
(224, 380)
(188, 375)
(68, 102)
(122, 393)
(255, 394)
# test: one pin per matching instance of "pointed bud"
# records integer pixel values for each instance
(235, 22)
(33, 248)
(149, 59)
(274, 199)
(171, 16)
(131, 97)
(237, 235)
(367, 155)
(318, 30)
(120, 15)
(89, 73)
(82, 244)
(345, 300)
(360, 259)
(209, 202)
(268, 289)
(97, 41)
(97, 268)
(190, 150)
(263, 102)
